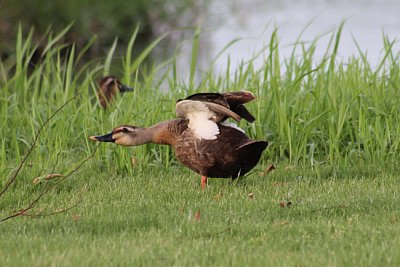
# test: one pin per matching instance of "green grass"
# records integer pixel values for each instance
(346, 217)
(333, 129)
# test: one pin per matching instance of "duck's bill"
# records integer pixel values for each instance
(124, 88)
(103, 138)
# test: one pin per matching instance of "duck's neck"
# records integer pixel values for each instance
(164, 133)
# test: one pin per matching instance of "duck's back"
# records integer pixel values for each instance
(232, 154)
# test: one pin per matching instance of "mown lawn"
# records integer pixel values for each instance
(159, 216)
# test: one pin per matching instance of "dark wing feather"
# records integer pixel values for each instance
(237, 98)
(243, 112)
(236, 101)
(209, 97)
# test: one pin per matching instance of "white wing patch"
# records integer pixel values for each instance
(232, 125)
(199, 117)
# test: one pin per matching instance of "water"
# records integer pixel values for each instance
(254, 21)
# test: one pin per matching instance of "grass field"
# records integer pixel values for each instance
(334, 134)
(342, 218)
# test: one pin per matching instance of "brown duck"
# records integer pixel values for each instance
(201, 138)
(109, 87)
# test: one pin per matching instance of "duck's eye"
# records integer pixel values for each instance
(125, 130)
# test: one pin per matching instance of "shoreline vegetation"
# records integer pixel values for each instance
(311, 112)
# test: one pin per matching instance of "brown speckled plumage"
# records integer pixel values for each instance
(233, 154)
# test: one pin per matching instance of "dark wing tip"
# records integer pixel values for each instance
(244, 113)
(241, 97)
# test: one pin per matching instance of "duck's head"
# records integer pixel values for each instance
(125, 135)
(109, 87)
(111, 83)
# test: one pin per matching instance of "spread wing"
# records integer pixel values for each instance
(216, 98)
(234, 101)
(201, 116)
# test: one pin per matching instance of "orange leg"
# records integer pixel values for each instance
(203, 182)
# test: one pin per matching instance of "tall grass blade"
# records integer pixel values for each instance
(193, 61)
(109, 58)
(128, 56)
(57, 38)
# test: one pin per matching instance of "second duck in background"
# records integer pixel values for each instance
(109, 87)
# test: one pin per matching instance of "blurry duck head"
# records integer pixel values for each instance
(109, 87)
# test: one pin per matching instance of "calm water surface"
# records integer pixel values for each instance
(254, 21)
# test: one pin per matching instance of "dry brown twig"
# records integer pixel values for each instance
(21, 164)
(48, 186)
(269, 169)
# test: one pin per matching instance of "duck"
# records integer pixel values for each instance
(109, 86)
(201, 137)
